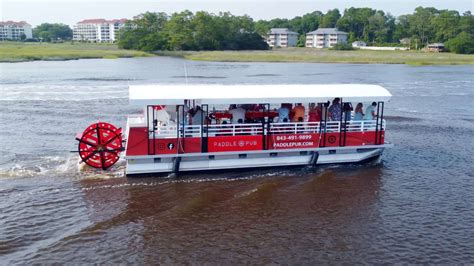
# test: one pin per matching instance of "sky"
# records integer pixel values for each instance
(70, 12)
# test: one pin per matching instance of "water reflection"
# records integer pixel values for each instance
(284, 218)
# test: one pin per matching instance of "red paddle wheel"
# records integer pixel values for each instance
(100, 145)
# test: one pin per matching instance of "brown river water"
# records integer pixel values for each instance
(415, 204)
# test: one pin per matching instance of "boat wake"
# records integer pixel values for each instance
(57, 166)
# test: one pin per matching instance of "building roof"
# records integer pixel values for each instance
(166, 94)
(327, 31)
(14, 23)
(282, 31)
(101, 20)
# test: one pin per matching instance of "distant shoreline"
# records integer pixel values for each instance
(312, 55)
(14, 52)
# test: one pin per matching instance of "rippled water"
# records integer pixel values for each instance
(415, 205)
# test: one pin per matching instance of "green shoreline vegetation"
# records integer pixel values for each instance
(24, 51)
(312, 55)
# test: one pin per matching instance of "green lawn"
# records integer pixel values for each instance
(18, 51)
(312, 55)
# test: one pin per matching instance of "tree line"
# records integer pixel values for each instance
(206, 31)
(188, 31)
(51, 32)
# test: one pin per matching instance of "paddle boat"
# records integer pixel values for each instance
(190, 128)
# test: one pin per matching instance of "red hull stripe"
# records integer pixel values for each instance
(138, 142)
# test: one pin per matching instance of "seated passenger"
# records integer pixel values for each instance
(347, 109)
(224, 130)
(298, 113)
(283, 114)
(238, 114)
(370, 112)
(359, 112)
(335, 110)
(314, 114)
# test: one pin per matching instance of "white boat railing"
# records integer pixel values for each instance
(234, 129)
(316, 127)
(170, 131)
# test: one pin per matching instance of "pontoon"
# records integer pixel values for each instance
(163, 139)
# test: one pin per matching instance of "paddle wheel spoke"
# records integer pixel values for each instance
(89, 156)
(113, 138)
(88, 143)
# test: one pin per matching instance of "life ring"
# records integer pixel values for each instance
(331, 139)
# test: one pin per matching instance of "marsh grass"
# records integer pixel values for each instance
(19, 52)
(312, 55)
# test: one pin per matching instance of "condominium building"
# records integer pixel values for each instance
(282, 37)
(325, 37)
(98, 30)
(11, 30)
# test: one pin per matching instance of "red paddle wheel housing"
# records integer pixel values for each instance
(100, 145)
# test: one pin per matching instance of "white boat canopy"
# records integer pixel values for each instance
(166, 94)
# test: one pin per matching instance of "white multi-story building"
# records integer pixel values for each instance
(282, 37)
(11, 30)
(97, 30)
(325, 37)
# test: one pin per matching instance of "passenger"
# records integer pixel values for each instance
(370, 112)
(224, 131)
(319, 110)
(298, 113)
(359, 112)
(347, 108)
(335, 110)
(284, 128)
(238, 114)
(197, 116)
(283, 114)
(314, 114)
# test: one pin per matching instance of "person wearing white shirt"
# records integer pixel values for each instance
(238, 114)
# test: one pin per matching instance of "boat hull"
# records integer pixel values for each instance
(221, 161)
